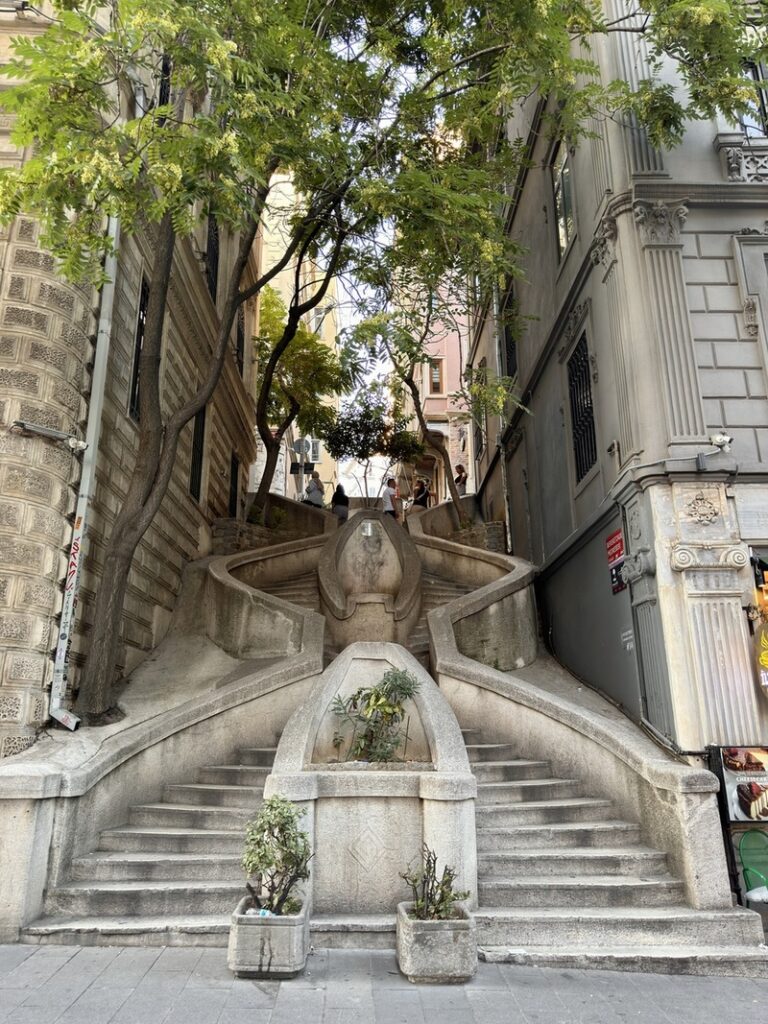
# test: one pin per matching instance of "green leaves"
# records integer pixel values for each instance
(276, 857)
(376, 715)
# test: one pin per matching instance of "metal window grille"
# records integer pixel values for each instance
(138, 343)
(234, 484)
(582, 409)
(164, 92)
(198, 448)
(755, 123)
(508, 332)
(212, 257)
(240, 340)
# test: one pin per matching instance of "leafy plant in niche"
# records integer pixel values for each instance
(434, 899)
(276, 857)
(377, 717)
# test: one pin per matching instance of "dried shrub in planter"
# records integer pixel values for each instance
(434, 898)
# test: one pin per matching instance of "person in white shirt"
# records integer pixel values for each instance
(390, 498)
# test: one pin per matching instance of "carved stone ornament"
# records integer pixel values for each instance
(604, 247)
(734, 163)
(702, 510)
(634, 524)
(660, 223)
(750, 317)
(637, 565)
(708, 556)
(573, 323)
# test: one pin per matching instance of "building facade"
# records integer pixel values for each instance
(638, 478)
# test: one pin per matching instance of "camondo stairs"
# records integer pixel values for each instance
(583, 842)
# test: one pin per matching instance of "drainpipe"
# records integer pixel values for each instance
(87, 484)
(500, 448)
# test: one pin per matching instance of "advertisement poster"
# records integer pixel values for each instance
(745, 771)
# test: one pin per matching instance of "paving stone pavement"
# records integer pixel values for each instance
(75, 985)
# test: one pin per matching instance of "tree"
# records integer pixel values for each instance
(382, 111)
(365, 428)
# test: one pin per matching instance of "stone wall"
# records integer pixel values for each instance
(488, 536)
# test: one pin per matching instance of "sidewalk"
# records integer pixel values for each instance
(73, 985)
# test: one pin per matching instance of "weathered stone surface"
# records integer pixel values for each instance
(20, 554)
(15, 745)
(43, 415)
(58, 298)
(10, 515)
(20, 380)
(19, 316)
(10, 707)
(33, 259)
(273, 947)
(28, 482)
(53, 357)
(437, 952)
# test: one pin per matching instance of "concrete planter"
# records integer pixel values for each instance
(267, 947)
(440, 952)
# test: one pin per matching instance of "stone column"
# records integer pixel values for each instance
(44, 345)
(659, 226)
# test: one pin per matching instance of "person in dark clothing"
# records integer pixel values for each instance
(340, 503)
(421, 495)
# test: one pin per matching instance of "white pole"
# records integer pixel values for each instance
(87, 483)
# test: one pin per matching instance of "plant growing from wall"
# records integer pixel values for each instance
(434, 899)
(276, 856)
(377, 717)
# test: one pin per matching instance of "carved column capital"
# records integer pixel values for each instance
(660, 223)
(604, 246)
(709, 556)
(636, 566)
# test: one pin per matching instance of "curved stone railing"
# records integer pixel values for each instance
(59, 795)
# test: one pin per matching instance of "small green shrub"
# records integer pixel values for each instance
(433, 899)
(276, 857)
(377, 716)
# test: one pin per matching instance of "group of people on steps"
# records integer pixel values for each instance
(315, 494)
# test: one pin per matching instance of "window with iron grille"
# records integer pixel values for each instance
(164, 92)
(234, 484)
(436, 377)
(240, 340)
(508, 332)
(198, 449)
(212, 257)
(755, 123)
(582, 409)
(138, 343)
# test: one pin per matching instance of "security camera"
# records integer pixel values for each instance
(721, 441)
(54, 435)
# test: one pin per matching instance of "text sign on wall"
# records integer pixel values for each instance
(614, 549)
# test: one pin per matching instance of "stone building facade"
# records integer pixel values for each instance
(643, 351)
(47, 335)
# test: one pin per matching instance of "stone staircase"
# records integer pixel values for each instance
(171, 875)
(563, 883)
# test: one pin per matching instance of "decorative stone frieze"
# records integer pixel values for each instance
(702, 510)
(751, 326)
(744, 159)
(709, 556)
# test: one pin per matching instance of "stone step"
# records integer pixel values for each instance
(165, 930)
(189, 816)
(132, 838)
(234, 775)
(140, 899)
(524, 790)
(490, 752)
(219, 796)
(510, 771)
(543, 812)
(524, 837)
(257, 755)
(573, 861)
(353, 931)
(562, 891)
(714, 961)
(525, 927)
(154, 865)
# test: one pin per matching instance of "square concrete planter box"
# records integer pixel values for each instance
(267, 947)
(439, 952)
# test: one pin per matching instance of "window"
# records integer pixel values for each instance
(582, 410)
(240, 340)
(314, 451)
(436, 377)
(138, 344)
(234, 484)
(479, 425)
(212, 257)
(508, 335)
(563, 189)
(198, 446)
(164, 92)
(755, 123)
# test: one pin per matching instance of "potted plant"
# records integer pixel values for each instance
(269, 933)
(377, 716)
(436, 934)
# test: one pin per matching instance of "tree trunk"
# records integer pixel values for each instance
(267, 476)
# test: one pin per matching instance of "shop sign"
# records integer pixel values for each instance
(761, 654)
(614, 549)
(745, 776)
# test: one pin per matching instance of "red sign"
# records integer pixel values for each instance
(614, 547)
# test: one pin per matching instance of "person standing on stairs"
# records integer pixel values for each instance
(315, 492)
(390, 498)
(420, 495)
(340, 504)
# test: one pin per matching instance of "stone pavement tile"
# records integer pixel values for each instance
(493, 1006)
(10, 998)
(385, 972)
(95, 1006)
(38, 969)
(152, 999)
(238, 1015)
(197, 1006)
(399, 1007)
(342, 1015)
(492, 976)
(128, 968)
(177, 958)
(245, 993)
(211, 971)
(12, 956)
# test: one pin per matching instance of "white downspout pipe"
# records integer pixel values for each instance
(87, 484)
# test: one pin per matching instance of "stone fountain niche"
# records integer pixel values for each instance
(367, 822)
(369, 576)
